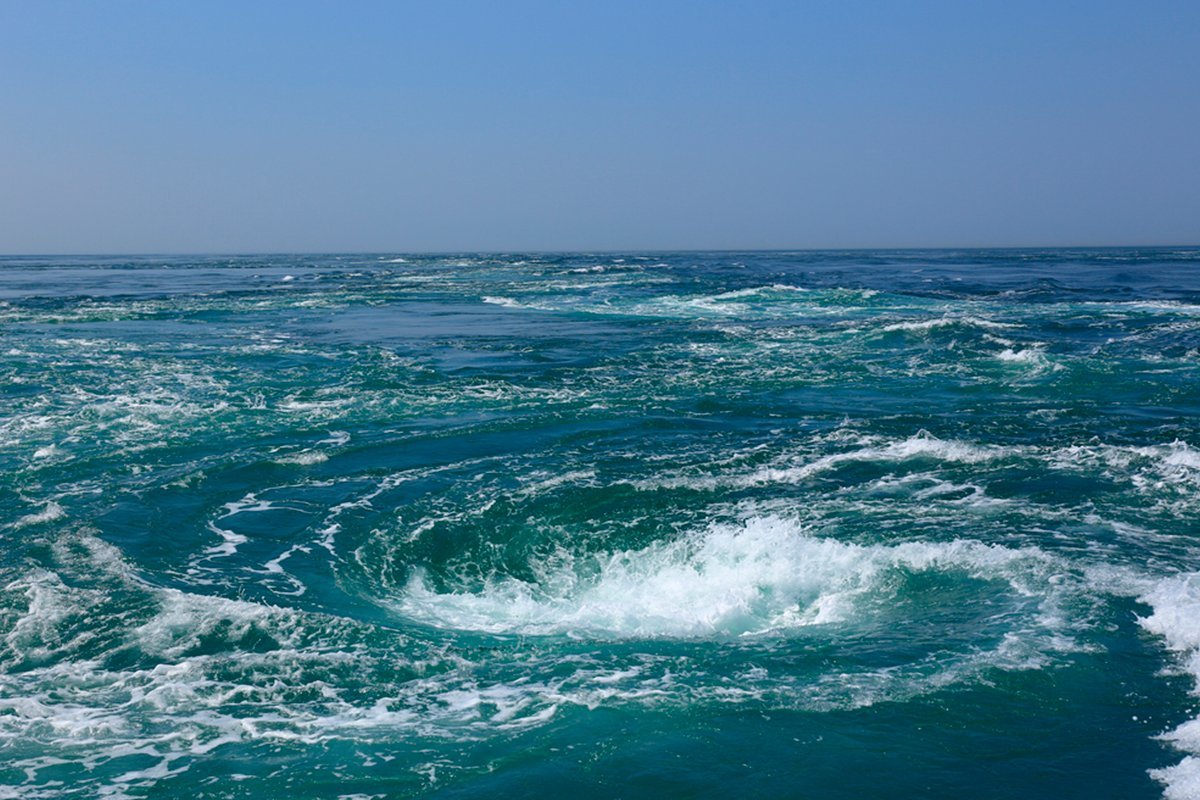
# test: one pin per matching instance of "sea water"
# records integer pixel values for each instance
(786, 524)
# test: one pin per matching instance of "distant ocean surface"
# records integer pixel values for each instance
(886, 524)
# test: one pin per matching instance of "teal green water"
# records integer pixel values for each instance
(821, 525)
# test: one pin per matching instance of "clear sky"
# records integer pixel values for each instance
(389, 126)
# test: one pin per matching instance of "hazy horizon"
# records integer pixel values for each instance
(598, 252)
(536, 127)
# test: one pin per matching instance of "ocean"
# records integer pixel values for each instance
(879, 524)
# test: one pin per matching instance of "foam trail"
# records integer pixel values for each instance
(1176, 618)
(920, 445)
(50, 512)
(924, 326)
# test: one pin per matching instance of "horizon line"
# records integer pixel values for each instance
(583, 251)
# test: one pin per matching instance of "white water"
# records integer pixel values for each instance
(1176, 618)
(765, 576)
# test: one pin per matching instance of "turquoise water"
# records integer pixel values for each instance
(827, 525)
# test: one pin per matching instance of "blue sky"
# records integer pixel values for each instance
(388, 126)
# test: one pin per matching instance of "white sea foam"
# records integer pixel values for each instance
(541, 482)
(755, 291)
(926, 325)
(1168, 473)
(304, 458)
(1151, 306)
(920, 445)
(332, 405)
(1033, 358)
(1176, 618)
(506, 302)
(174, 708)
(1179, 454)
(1027, 356)
(1181, 781)
(336, 438)
(49, 513)
(230, 541)
(34, 635)
(765, 576)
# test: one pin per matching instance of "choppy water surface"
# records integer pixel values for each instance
(833, 525)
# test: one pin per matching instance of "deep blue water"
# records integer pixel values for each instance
(648, 525)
